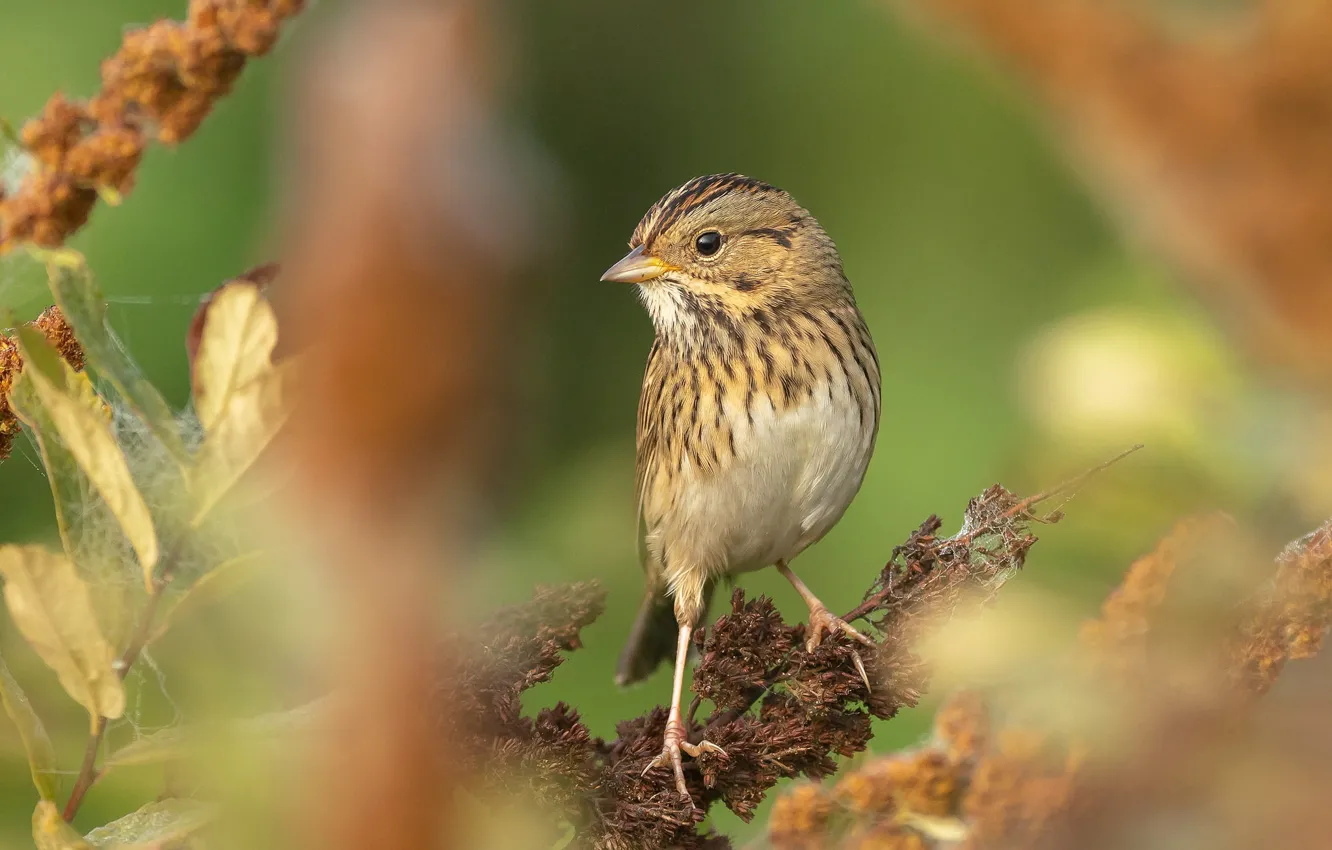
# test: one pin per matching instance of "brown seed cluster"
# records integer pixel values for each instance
(1178, 677)
(161, 84)
(1290, 620)
(57, 331)
(777, 710)
(968, 786)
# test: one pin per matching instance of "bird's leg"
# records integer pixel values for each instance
(822, 620)
(676, 738)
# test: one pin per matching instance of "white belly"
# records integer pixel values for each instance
(793, 476)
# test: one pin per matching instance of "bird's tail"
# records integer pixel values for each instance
(651, 640)
(653, 636)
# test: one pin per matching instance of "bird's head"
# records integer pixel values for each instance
(723, 248)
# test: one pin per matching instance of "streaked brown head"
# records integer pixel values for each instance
(729, 242)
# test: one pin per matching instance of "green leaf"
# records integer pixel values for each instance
(239, 395)
(83, 518)
(178, 743)
(155, 825)
(84, 306)
(50, 605)
(37, 744)
(212, 586)
(50, 832)
(81, 422)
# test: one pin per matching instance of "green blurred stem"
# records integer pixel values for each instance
(88, 772)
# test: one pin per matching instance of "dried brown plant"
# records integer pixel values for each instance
(777, 710)
(60, 335)
(1212, 139)
(1180, 651)
(160, 84)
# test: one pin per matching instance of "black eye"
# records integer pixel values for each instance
(708, 243)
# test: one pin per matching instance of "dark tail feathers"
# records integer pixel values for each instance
(652, 638)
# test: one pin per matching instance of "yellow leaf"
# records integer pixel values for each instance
(253, 418)
(216, 584)
(80, 420)
(51, 606)
(238, 393)
(36, 743)
(50, 832)
(235, 350)
(81, 516)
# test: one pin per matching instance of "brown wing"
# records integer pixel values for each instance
(647, 442)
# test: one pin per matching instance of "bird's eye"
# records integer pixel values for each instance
(708, 243)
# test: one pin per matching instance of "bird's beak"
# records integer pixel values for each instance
(637, 267)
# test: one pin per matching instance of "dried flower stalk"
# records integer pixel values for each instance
(160, 84)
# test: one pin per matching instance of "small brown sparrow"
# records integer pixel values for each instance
(758, 414)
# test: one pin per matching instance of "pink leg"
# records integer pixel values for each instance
(675, 741)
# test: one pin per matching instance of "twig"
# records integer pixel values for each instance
(1022, 508)
(88, 772)
(1071, 484)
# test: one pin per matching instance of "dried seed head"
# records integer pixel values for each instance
(164, 79)
(56, 328)
(10, 364)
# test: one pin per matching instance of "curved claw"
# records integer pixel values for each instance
(672, 746)
(822, 620)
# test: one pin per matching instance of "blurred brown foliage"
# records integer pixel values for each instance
(777, 710)
(161, 83)
(1176, 742)
(400, 242)
(1213, 139)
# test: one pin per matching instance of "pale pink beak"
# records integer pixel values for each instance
(637, 267)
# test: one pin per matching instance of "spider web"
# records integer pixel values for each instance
(93, 536)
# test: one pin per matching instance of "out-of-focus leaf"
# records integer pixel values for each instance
(50, 605)
(175, 743)
(37, 744)
(254, 417)
(110, 196)
(216, 584)
(82, 517)
(567, 838)
(84, 306)
(178, 743)
(239, 394)
(50, 832)
(155, 825)
(235, 351)
(80, 420)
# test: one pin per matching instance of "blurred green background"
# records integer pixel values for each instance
(1022, 340)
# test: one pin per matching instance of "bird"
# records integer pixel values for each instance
(758, 413)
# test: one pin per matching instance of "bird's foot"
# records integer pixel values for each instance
(672, 747)
(822, 620)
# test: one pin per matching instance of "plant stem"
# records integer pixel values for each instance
(88, 772)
